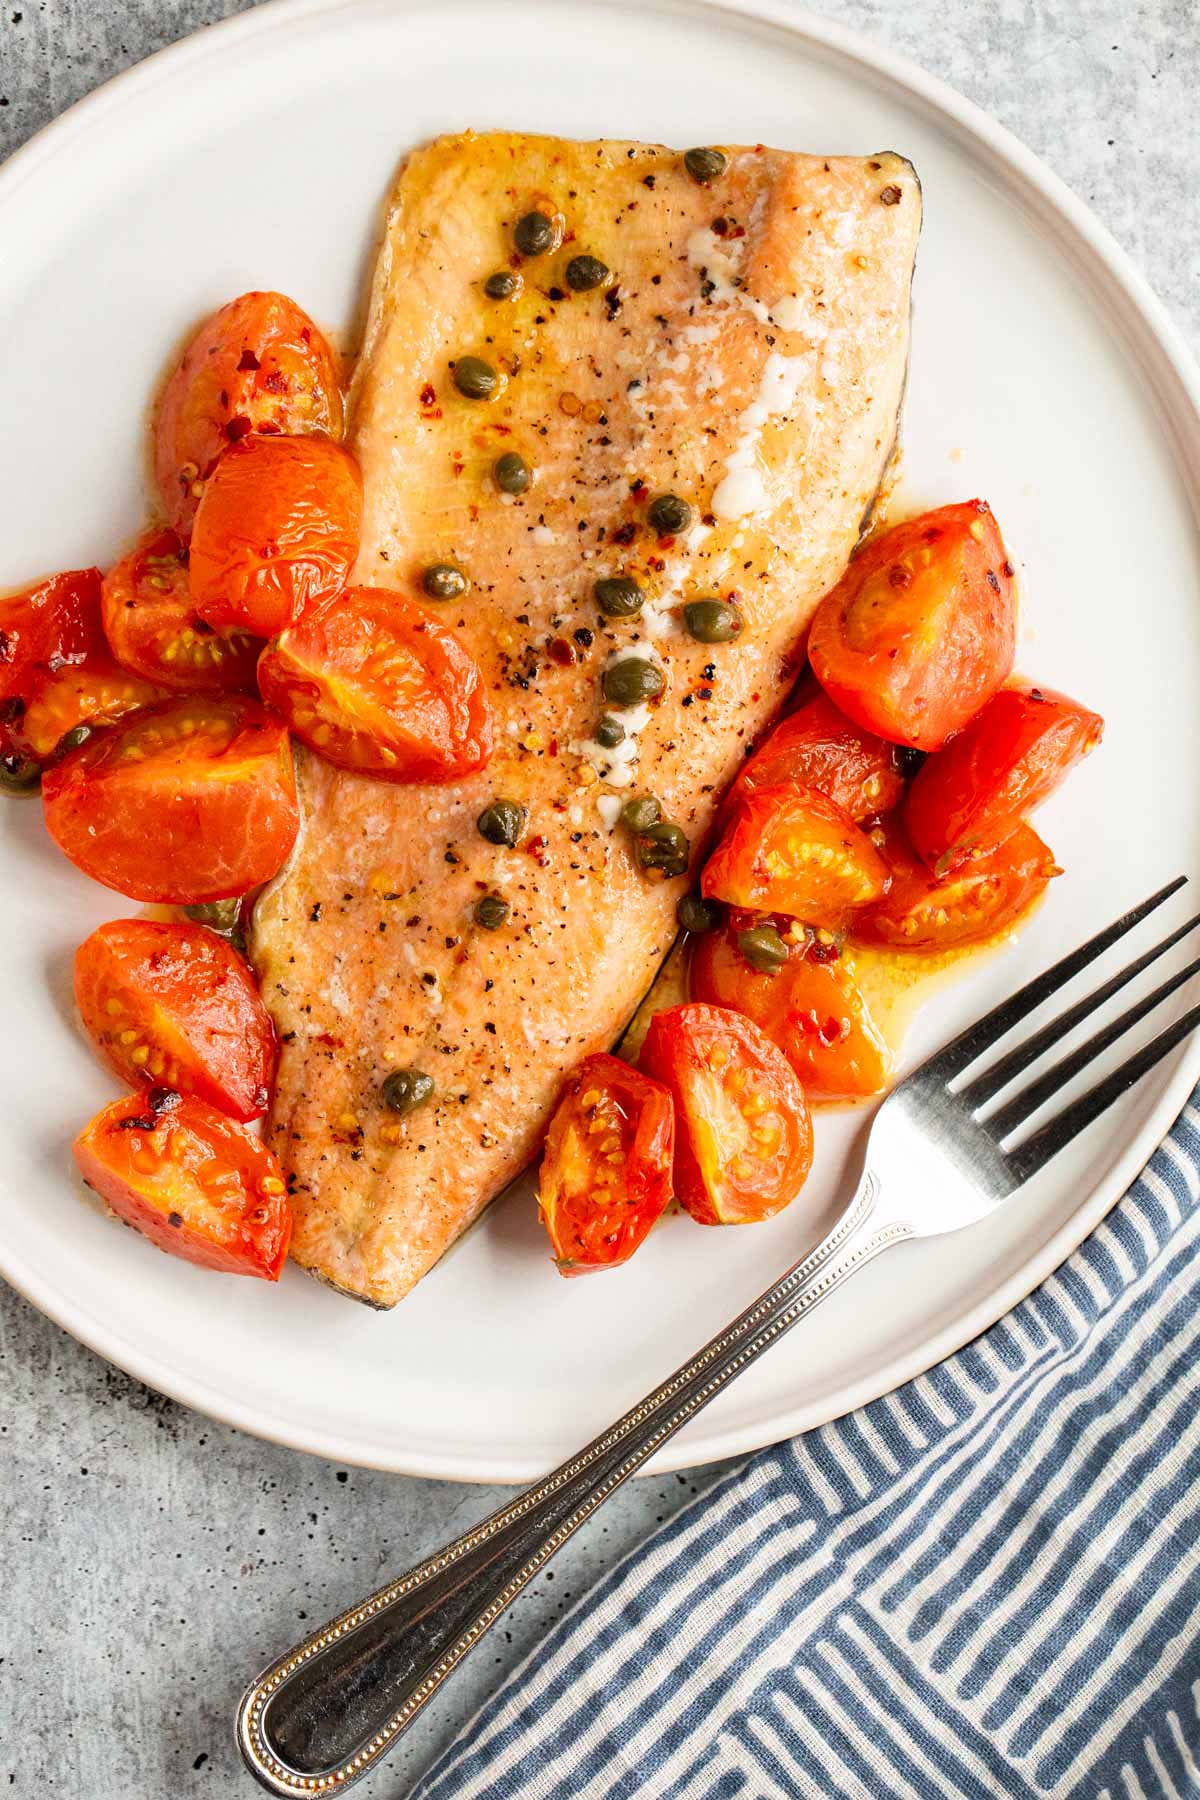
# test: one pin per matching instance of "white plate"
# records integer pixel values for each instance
(1044, 376)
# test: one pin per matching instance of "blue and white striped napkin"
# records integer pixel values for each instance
(985, 1584)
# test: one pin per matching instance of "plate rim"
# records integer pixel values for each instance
(1151, 334)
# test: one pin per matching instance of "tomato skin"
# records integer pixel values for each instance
(373, 682)
(987, 895)
(277, 530)
(176, 1004)
(921, 629)
(819, 747)
(94, 692)
(153, 629)
(1010, 758)
(790, 850)
(54, 623)
(156, 1157)
(259, 364)
(743, 1133)
(811, 1008)
(598, 1211)
(185, 802)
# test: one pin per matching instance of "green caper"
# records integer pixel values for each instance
(406, 1089)
(474, 378)
(218, 915)
(19, 775)
(511, 473)
(696, 914)
(534, 234)
(72, 740)
(641, 813)
(442, 581)
(491, 912)
(618, 596)
(610, 732)
(502, 285)
(632, 680)
(502, 822)
(704, 164)
(669, 515)
(584, 272)
(763, 949)
(712, 621)
(664, 846)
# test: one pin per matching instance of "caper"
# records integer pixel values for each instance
(763, 949)
(502, 285)
(491, 912)
(534, 234)
(406, 1089)
(19, 774)
(696, 914)
(704, 164)
(442, 581)
(474, 378)
(641, 813)
(712, 621)
(74, 739)
(511, 473)
(618, 596)
(584, 272)
(218, 915)
(610, 732)
(664, 846)
(502, 822)
(669, 515)
(632, 680)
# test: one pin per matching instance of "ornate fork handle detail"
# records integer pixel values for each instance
(322, 1715)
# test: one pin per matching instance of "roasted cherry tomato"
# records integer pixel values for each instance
(45, 628)
(985, 896)
(921, 629)
(790, 850)
(1009, 759)
(606, 1170)
(817, 746)
(93, 693)
(198, 1185)
(810, 1006)
(189, 801)
(258, 365)
(153, 628)
(276, 531)
(374, 682)
(176, 1004)
(743, 1135)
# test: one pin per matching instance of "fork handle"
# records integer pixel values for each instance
(327, 1711)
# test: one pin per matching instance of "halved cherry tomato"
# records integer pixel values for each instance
(790, 850)
(606, 1170)
(743, 1144)
(276, 531)
(176, 1004)
(921, 629)
(52, 623)
(198, 1185)
(985, 896)
(153, 628)
(1009, 759)
(190, 801)
(95, 693)
(819, 747)
(811, 1007)
(258, 365)
(374, 682)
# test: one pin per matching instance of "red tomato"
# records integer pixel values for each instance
(276, 531)
(190, 801)
(817, 746)
(985, 896)
(811, 1008)
(94, 693)
(45, 628)
(374, 682)
(196, 1184)
(606, 1171)
(177, 1004)
(258, 365)
(153, 628)
(743, 1144)
(921, 629)
(790, 850)
(1009, 759)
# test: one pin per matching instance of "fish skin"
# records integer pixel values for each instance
(365, 944)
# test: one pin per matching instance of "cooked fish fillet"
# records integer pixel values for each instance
(747, 352)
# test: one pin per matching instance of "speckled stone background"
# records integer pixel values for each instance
(152, 1560)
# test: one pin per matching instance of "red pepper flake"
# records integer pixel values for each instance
(640, 491)
(237, 427)
(428, 394)
(625, 534)
(537, 849)
(248, 360)
(561, 652)
(456, 465)
(552, 747)
(656, 562)
(330, 1042)
(275, 382)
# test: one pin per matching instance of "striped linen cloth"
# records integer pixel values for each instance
(984, 1584)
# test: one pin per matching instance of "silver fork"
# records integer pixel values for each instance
(327, 1711)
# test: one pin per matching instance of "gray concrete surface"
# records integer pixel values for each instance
(151, 1558)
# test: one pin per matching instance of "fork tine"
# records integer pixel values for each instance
(1025, 1103)
(963, 1050)
(1027, 1158)
(984, 1087)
